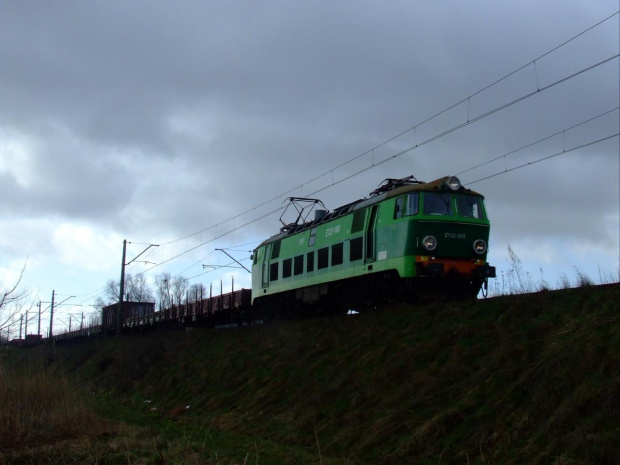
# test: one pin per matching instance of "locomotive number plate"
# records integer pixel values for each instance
(455, 236)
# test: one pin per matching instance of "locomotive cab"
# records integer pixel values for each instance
(446, 235)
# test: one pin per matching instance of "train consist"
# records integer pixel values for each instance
(406, 240)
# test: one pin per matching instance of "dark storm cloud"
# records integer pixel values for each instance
(153, 120)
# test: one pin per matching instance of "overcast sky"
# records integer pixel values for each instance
(179, 123)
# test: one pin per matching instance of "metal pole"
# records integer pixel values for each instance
(121, 292)
(232, 294)
(39, 327)
(51, 331)
(104, 322)
(26, 326)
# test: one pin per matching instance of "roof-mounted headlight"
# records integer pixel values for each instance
(429, 243)
(453, 183)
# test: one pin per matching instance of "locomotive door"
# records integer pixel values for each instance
(370, 235)
(265, 277)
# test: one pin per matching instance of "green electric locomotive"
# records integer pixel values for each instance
(407, 239)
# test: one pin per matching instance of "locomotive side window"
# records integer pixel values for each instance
(437, 204)
(310, 261)
(399, 206)
(298, 265)
(469, 207)
(358, 221)
(312, 239)
(287, 266)
(356, 249)
(413, 204)
(323, 258)
(275, 253)
(273, 272)
(337, 254)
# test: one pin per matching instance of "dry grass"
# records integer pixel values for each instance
(39, 404)
(45, 420)
(518, 280)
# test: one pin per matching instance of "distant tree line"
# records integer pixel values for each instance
(168, 291)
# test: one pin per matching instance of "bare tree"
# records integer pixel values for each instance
(170, 290)
(111, 291)
(99, 303)
(197, 292)
(163, 283)
(179, 287)
(13, 302)
(137, 289)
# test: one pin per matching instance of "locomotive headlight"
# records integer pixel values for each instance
(480, 246)
(429, 243)
(453, 183)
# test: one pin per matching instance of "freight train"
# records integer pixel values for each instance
(406, 240)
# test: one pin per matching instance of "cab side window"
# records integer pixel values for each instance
(413, 202)
(399, 208)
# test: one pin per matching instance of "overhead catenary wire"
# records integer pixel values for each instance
(237, 224)
(537, 142)
(381, 162)
(412, 128)
(553, 155)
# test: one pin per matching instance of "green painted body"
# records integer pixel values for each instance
(383, 233)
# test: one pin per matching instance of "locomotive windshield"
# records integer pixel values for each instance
(437, 204)
(441, 204)
(469, 207)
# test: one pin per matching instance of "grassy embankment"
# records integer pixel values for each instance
(511, 380)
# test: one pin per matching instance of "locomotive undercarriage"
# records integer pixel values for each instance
(365, 293)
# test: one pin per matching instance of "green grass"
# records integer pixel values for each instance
(529, 378)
